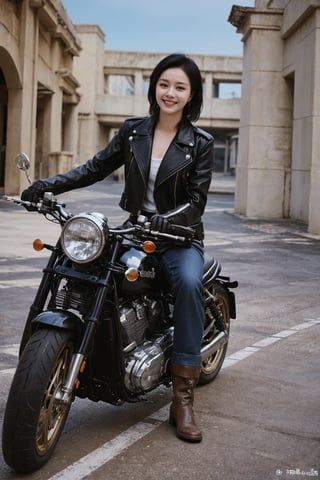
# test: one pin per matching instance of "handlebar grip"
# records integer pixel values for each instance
(186, 232)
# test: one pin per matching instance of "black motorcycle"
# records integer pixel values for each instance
(100, 326)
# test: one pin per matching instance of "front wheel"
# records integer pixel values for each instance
(212, 365)
(35, 416)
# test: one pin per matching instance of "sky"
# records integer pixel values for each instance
(189, 26)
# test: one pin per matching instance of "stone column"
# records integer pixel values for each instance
(88, 68)
(23, 102)
(314, 197)
(266, 116)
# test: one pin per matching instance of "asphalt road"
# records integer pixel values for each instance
(260, 417)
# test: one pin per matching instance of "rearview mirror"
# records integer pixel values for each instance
(23, 163)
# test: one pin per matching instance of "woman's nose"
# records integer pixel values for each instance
(170, 91)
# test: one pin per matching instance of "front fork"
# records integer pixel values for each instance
(76, 366)
(87, 341)
(41, 296)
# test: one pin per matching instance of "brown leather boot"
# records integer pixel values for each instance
(184, 380)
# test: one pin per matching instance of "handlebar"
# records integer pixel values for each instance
(177, 234)
(49, 206)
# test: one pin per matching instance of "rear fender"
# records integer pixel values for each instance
(225, 283)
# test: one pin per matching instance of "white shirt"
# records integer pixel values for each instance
(148, 202)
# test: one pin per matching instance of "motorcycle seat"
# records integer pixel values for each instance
(211, 268)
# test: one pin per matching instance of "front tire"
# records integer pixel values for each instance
(34, 415)
(212, 365)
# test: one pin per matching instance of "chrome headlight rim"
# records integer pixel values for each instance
(84, 237)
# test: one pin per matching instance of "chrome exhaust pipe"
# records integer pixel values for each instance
(212, 347)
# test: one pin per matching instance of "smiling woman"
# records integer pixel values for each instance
(168, 164)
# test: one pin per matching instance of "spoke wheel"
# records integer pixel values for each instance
(211, 366)
(52, 413)
(35, 415)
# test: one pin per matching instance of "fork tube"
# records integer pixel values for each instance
(41, 296)
(98, 306)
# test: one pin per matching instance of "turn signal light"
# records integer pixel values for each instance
(132, 274)
(38, 245)
(149, 247)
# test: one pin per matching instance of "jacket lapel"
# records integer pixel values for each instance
(178, 155)
(141, 146)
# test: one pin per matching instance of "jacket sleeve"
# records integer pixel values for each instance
(97, 168)
(190, 213)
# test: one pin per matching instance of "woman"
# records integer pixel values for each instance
(168, 165)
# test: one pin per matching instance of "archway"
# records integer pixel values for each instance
(10, 123)
(3, 126)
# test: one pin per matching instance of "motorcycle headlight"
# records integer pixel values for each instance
(84, 237)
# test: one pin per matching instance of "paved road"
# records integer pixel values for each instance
(260, 417)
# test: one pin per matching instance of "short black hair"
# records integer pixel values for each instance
(178, 60)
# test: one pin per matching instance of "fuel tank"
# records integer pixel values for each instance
(148, 267)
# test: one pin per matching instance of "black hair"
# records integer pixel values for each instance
(178, 60)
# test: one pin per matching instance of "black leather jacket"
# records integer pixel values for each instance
(183, 179)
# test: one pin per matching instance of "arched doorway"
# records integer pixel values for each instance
(3, 126)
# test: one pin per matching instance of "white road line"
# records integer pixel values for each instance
(102, 455)
(18, 269)
(8, 371)
(19, 283)
(10, 349)
(266, 342)
(96, 459)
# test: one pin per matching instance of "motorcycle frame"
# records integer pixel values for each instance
(88, 345)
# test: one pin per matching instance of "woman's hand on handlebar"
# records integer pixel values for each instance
(34, 193)
(160, 224)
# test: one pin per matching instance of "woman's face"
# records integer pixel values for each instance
(173, 91)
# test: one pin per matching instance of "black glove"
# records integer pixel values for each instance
(160, 224)
(34, 193)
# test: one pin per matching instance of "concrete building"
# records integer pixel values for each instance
(63, 96)
(278, 170)
(114, 86)
(38, 91)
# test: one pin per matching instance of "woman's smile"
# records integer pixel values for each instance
(173, 91)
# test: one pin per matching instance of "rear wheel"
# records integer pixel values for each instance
(35, 416)
(211, 366)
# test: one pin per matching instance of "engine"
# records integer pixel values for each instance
(146, 331)
(147, 348)
(147, 364)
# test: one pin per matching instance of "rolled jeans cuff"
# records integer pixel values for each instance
(186, 359)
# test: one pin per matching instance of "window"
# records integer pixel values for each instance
(122, 85)
(226, 90)
(146, 83)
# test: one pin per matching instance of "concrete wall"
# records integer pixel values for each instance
(54, 101)
(278, 164)
(101, 112)
(37, 45)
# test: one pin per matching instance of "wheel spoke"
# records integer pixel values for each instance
(52, 410)
(212, 365)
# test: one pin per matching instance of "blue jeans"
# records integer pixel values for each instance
(183, 269)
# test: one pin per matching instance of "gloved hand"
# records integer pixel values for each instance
(34, 193)
(160, 224)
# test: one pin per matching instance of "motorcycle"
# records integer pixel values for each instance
(100, 326)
